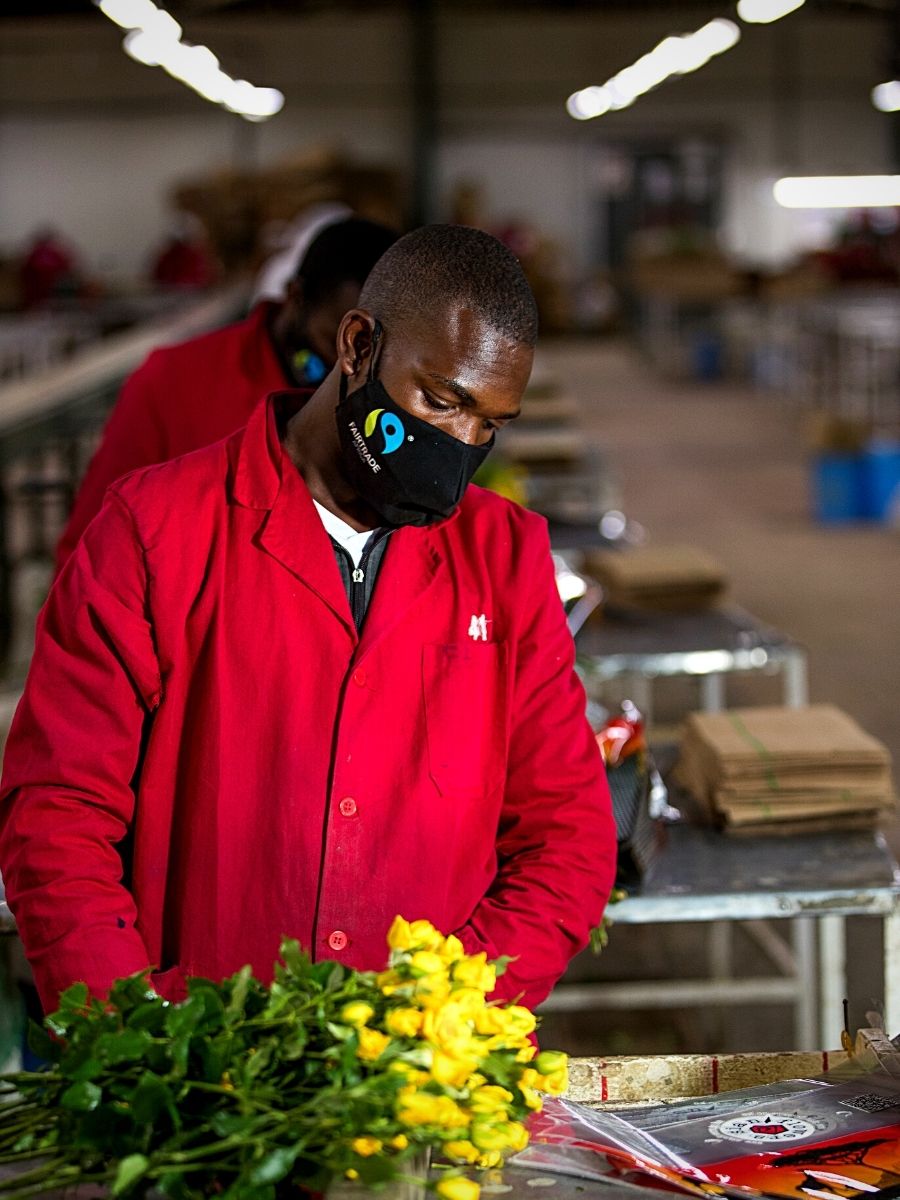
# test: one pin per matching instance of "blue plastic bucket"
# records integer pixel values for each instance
(837, 491)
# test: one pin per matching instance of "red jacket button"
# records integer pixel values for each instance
(347, 807)
(338, 939)
(359, 678)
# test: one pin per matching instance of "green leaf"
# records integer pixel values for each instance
(81, 1097)
(89, 1068)
(150, 1099)
(132, 991)
(502, 962)
(274, 1166)
(126, 1046)
(74, 999)
(42, 1044)
(183, 1018)
(173, 1185)
(240, 986)
(150, 1015)
(296, 961)
(131, 1169)
(226, 1123)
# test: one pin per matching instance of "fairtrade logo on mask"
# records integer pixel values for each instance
(391, 429)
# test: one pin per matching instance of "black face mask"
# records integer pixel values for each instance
(409, 471)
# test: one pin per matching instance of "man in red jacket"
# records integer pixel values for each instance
(306, 679)
(191, 395)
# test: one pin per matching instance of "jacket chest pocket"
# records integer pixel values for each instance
(465, 707)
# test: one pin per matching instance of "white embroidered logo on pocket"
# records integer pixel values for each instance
(478, 628)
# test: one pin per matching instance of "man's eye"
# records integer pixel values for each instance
(437, 405)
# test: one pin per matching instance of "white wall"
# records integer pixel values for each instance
(93, 142)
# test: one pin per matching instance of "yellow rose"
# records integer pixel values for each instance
(423, 935)
(527, 1053)
(475, 971)
(426, 962)
(494, 1133)
(457, 1187)
(519, 1020)
(462, 1151)
(389, 982)
(432, 990)
(351, 1173)
(468, 1001)
(447, 1027)
(365, 1147)
(452, 949)
(403, 1022)
(550, 1061)
(489, 1099)
(357, 1013)
(493, 1158)
(421, 1108)
(412, 1074)
(491, 1021)
(488, 1133)
(555, 1083)
(451, 1071)
(399, 935)
(518, 1136)
(400, 1142)
(417, 1108)
(551, 1071)
(372, 1044)
(531, 1097)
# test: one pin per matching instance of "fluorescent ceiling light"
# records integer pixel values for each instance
(761, 12)
(673, 56)
(154, 39)
(838, 191)
(886, 96)
(130, 14)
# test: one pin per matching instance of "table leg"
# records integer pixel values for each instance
(832, 980)
(803, 935)
(641, 695)
(796, 683)
(712, 692)
(892, 971)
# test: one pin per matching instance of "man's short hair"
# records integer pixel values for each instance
(437, 265)
(344, 252)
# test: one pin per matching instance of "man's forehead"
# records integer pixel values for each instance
(460, 339)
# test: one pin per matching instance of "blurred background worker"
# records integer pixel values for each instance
(190, 395)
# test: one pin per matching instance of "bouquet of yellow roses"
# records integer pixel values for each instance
(245, 1091)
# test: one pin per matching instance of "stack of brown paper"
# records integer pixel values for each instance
(786, 770)
(658, 577)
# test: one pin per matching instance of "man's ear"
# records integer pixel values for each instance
(355, 342)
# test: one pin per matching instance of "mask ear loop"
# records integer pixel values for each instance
(377, 331)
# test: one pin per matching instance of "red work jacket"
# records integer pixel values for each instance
(199, 685)
(183, 397)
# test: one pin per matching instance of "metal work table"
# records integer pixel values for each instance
(641, 646)
(699, 874)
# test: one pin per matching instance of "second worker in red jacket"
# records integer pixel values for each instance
(306, 679)
(192, 394)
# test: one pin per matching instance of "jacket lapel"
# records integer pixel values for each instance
(294, 535)
(410, 567)
(264, 478)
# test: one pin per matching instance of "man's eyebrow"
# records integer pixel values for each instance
(466, 396)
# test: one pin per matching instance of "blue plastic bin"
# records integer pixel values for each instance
(837, 488)
(881, 482)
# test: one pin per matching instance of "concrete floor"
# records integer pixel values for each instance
(726, 469)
